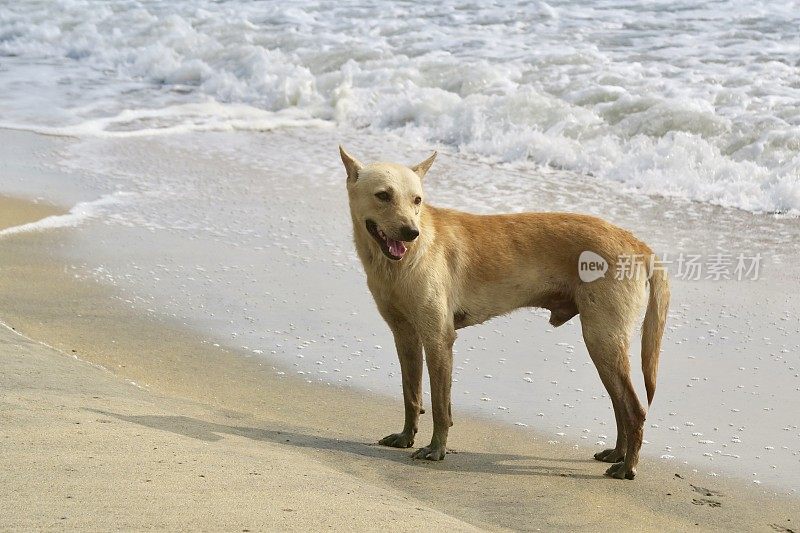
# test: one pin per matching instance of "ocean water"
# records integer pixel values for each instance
(677, 98)
(197, 148)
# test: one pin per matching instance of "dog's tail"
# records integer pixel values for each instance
(653, 326)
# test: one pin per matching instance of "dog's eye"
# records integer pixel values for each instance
(417, 200)
(383, 196)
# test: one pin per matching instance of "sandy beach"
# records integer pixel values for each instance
(187, 341)
(126, 419)
(84, 449)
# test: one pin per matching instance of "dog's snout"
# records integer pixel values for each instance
(408, 233)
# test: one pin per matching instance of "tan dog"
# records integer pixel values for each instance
(433, 271)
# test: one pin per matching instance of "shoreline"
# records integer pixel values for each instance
(497, 467)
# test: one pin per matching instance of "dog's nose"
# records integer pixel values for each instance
(408, 233)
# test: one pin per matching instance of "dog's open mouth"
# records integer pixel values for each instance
(391, 248)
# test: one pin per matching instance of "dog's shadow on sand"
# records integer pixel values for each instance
(474, 462)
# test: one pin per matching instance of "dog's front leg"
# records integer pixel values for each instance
(439, 357)
(409, 351)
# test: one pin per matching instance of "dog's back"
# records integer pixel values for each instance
(504, 262)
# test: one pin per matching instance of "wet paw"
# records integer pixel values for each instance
(611, 455)
(429, 453)
(620, 471)
(398, 440)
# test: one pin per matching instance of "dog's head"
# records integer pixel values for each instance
(386, 201)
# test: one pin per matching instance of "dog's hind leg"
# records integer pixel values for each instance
(439, 358)
(633, 416)
(611, 359)
(607, 335)
(617, 453)
(409, 351)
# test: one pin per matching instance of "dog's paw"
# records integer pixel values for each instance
(429, 453)
(397, 440)
(611, 455)
(620, 471)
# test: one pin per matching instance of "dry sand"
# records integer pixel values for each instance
(83, 449)
(128, 422)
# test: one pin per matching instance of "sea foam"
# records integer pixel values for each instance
(78, 214)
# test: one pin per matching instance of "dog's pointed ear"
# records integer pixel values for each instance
(422, 168)
(351, 164)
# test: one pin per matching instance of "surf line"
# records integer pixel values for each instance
(80, 212)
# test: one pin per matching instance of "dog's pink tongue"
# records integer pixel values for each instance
(397, 247)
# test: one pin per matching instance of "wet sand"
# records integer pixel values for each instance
(131, 421)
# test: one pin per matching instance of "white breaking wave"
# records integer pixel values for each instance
(80, 213)
(674, 98)
(181, 118)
